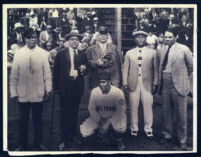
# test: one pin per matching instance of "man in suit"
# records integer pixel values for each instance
(47, 37)
(140, 81)
(176, 65)
(104, 56)
(69, 68)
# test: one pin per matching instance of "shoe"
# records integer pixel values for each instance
(120, 146)
(21, 148)
(41, 147)
(164, 140)
(62, 147)
(183, 146)
(134, 133)
(149, 135)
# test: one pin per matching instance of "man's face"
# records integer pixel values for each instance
(73, 42)
(169, 38)
(61, 43)
(31, 42)
(103, 38)
(140, 40)
(161, 38)
(49, 30)
(104, 85)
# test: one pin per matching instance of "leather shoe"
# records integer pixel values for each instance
(149, 135)
(183, 146)
(164, 140)
(62, 147)
(120, 145)
(134, 133)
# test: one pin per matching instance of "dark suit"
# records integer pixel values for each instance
(70, 90)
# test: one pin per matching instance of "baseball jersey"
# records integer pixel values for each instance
(110, 106)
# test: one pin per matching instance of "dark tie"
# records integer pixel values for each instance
(165, 61)
(75, 59)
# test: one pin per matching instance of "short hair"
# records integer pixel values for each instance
(173, 30)
(28, 33)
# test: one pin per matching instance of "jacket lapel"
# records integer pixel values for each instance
(176, 53)
(67, 54)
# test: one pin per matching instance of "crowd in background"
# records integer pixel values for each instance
(52, 24)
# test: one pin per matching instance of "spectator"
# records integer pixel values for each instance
(17, 35)
(64, 24)
(47, 37)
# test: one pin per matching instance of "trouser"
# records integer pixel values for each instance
(141, 94)
(24, 109)
(174, 107)
(89, 126)
(69, 111)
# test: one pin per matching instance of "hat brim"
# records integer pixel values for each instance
(140, 33)
(18, 27)
(70, 35)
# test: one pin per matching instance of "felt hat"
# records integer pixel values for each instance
(73, 33)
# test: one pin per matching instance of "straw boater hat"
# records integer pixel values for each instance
(73, 33)
(18, 25)
(138, 32)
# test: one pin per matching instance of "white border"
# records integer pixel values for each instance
(5, 126)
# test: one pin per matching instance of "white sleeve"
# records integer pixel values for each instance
(92, 107)
(14, 76)
(120, 108)
(47, 74)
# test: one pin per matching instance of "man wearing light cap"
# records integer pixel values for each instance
(16, 36)
(140, 81)
(107, 110)
(104, 56)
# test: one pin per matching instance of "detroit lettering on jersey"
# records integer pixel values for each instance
(105, 108)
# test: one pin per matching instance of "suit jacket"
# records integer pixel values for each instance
(181, 66)
(149, 69)
(61, 71)
(94, 52)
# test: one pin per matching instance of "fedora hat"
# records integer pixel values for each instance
(18, 25)
(73, 33)
(139, 32)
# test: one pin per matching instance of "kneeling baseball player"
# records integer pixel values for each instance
(107, 110)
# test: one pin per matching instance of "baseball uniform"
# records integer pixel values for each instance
(109, 106)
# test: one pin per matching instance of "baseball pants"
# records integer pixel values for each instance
(90, 125)
(141, 94)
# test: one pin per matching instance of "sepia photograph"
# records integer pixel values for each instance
(89, 78)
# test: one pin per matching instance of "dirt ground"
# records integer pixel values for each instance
(139, 144)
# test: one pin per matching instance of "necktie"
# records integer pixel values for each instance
(165, 61)
(75, 59)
